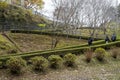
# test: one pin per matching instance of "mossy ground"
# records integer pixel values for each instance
(5, 46)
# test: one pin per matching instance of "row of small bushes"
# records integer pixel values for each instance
(52, 33)
(47, 53)
(100, 54)
(16, 65)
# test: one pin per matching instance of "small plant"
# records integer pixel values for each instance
(115, 53)
(55, 61)
(100, 54)
(3, 5)
(12, 51)
(69, 59)
(16, 65)
(88, 55)
(39, 63)
(1, 64)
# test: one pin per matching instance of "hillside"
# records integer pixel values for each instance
(38, 50)
(34, 42)
(18, 17)
(108, 70)
(6, 46)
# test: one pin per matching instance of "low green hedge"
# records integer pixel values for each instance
(69, 47)
(107, 46)
(47, 53)
(73, 50)
(83, 45)
(51, 33)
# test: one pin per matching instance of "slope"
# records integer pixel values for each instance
(6, 46)
(19, 18)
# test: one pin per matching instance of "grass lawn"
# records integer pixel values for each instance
(33, 42)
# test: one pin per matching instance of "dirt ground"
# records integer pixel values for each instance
(33, 42)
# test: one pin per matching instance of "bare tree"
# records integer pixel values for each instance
(96, 12)
(65, 15)
(69, 15)
(107, 15)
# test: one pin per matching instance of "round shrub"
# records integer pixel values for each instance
(16, 65)
(115, 53)
(100, 54)
(69, 59)
(39, 63)
(55, 61)
(3, 5)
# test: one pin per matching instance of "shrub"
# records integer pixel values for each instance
(16, 65)
(39, 63)
(88, 55)
(3, 5)
(55, 61)
(11, 51)
(100, 54)
(1, 64)
(115, 53)
(69, 59)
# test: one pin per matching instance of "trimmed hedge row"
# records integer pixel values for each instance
(83, 45)
(51, 33)
(73, 50)
(61, 51)
(69, 47)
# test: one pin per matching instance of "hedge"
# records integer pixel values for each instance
(47, 53)
(83, 45)
(69, 47)
(52, 33)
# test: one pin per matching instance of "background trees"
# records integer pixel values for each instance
(118, 10)
(64, 16)
(70, 15)
(78, 13)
